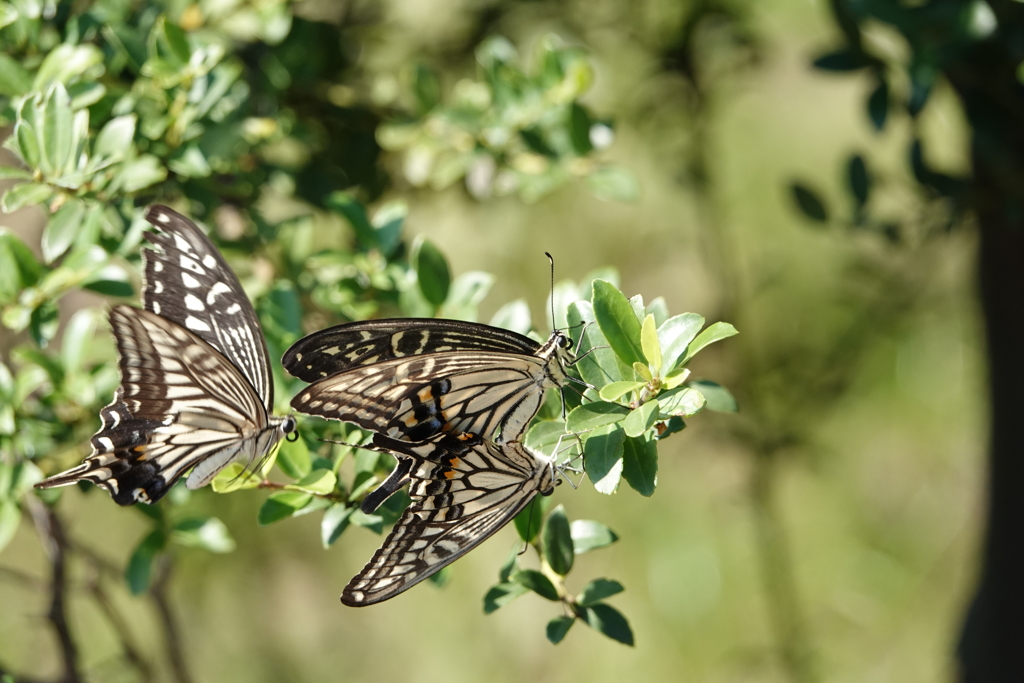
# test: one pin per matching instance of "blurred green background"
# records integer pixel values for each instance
(827, 532)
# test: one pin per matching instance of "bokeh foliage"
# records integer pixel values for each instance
(114, 106)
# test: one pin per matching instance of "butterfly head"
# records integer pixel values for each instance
(289, 428)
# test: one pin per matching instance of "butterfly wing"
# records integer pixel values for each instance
(416, 398)
(463, 490)
(343, 347)
(180, 405)
(188, 282)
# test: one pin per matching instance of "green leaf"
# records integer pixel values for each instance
(116, 137)
(235, 477)
(598, 590)
(139, 570)
(142, 172)
(858, 179)
(60, 231)
(714, 332)
(10, 517)
(208, 533)
(878, 105)
(718, 397)
(530, 519)
(809, 203)
(558, 627)
(43, 323)
(616, 390)
(293, 458)
(640, 464)
(537, 582)
(432, 271)
(78, 332)
(501, 594)
(843, 60)
(56, 130)
(650, 344)
(675, 334)
(190, 162)
(355, 214)
(556, 542)
(11, 173)
(466, 293)
(374, 523)
(25, 194)
(602, 457)
(510, 565)
(425, 87)
(641, 419)
(614, 183)
(117, 288)
(387, 226)
(282, 504)
(65, 63)
(595, 414)
(682, 402)
(600, 366)
(544, 437)
(618, 323)
(320, 482)
(334, 522)
(14, 79)
(589, 535)
(609, 621)
(175, 40)
(514, 316)
(440, 578)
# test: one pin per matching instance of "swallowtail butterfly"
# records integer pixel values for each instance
(196, 390)
(463, 489)
(413, 378)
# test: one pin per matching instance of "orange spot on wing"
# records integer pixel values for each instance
(449, 474)
(454, 462)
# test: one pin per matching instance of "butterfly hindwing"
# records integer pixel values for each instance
(463, 489)
(351, 345)
(190, 283)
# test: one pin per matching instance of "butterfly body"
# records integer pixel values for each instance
(463, 489)
(195, 388)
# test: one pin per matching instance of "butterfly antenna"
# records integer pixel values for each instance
(551, 259)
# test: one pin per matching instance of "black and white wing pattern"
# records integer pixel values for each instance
(463, 489)
(188, 282)
(181, 405)
(412, 379)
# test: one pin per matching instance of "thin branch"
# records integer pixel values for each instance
(172, 635)
(51, 535)
(21, 577)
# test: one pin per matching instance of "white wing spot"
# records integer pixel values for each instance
(234, 308)
(158, 287)
(106, 443)
(163, 218)
(193, 323)
(209, 261)
(156, 307)
(193, 303)
(158, 267)
(189, 281)
(218, 288)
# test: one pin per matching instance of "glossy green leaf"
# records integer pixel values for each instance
(319, 482)
(597, 590)
(387, 226)
(659, 309)
(293, 458)
(530, 519)
(115, 138)
(595, 414)
(600, 366)
(510, 565)
(589, 535)
(537, 582)
(60, 231)
(650, 344)
(374, 523)
(25, 194)
(675, 334)
(235, 477)
(640, 464)
(433, 274)
(558, 627)
(602, 456)
(546, 436)
(682, 402)
(334, 522)
(116, 288)
(282, 504)
(139, 571)
(208, 533)
(714, 332)
(142, 172)
(12, 173)
(514, 316)
(641, 419)
(556, 542)
(14, 78)
(43, 323)
(56, 131)
(65, 63)
(718, 397)
(616, 390)
(609, 621)
(618, 322)
(501, 594)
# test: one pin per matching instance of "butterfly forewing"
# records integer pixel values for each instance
(188, 282)
(351, 345)
(413, 399)
(463, 489)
